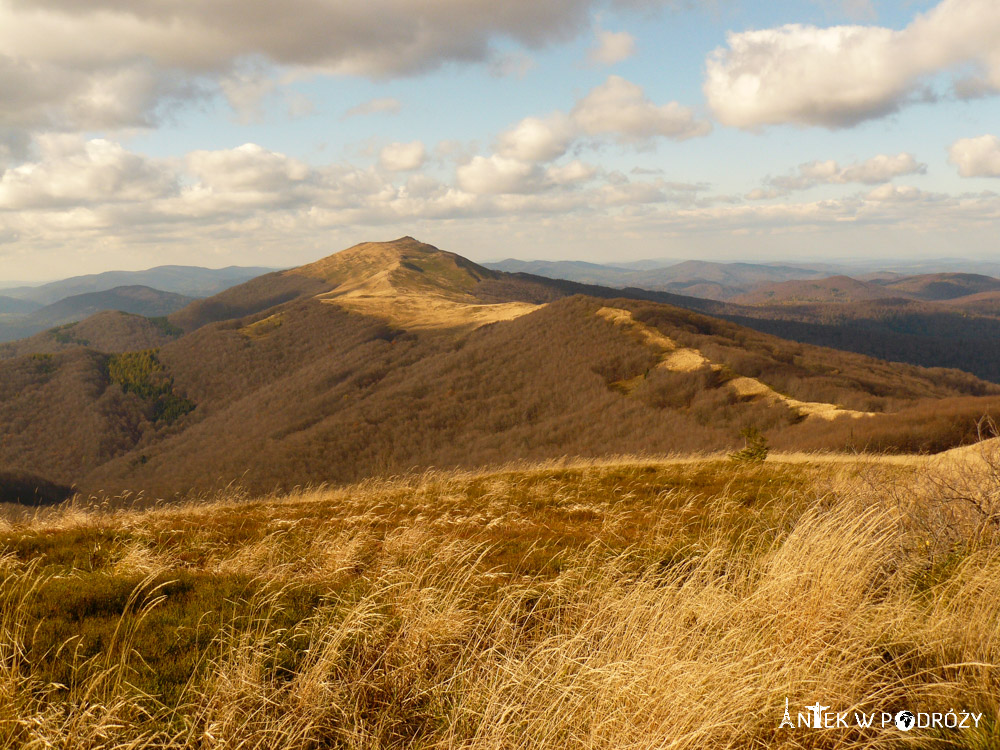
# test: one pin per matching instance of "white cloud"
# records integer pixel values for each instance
(249, 168)
(73, 172)
(403, 157)
(252, 203)
(620, 108)
(573, 172)
(537, 139)
(612, 47)
(882, 168)
(976, 157)
(498, 174)
(39, 95)
(386, 106)
(843, 75)
(617, 107)
(896, 194)
(107, 64)
(878, 169)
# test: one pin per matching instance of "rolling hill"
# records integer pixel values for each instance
(108, 331)
(138, 300)
(831, 289)
(942, 286)
(721, 281)
(389, 356)
(12, 305)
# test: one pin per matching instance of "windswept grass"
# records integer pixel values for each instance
(628, 605)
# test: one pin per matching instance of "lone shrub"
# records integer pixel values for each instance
(755, 447)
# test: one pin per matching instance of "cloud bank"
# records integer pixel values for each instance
(840, 76)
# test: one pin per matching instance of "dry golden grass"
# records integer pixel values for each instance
(627, 604)
(684, 359)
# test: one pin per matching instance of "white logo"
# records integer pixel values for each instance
(905, 721)
(818, 716)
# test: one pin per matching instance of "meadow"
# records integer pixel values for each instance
(620, 603)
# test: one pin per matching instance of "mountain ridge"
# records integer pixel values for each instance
(312, 375)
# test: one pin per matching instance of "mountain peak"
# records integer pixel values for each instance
(409, 282)
(405, 263)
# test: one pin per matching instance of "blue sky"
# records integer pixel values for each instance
(243, 132)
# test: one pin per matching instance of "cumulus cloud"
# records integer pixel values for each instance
(73, 172)
(976, 157)
(249, 168)
(75, 194)
(616, 108)
(403, 157)
(896, 194)
(498, 174)
(874, 171)
(840, 76)
(612, 47)
(620, 108)
(386, 106)
(108, 64)
(39, 95)
(573, 172)
(537, 139)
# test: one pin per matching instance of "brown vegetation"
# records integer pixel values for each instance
(109, 331)
(312, 390)
(621, 604)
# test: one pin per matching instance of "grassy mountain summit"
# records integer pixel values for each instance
(410, 283)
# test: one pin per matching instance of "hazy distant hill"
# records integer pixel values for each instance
(389, 356)
(139, 300)
(108, 331)
(832, 289)
(17, 306)
(694, 278)
(983, 303)
(943, 286)
(190, 281)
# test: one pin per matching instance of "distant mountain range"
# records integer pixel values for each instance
(754, 283)
(695, 278)
(391, 356)
(138, 300)
(190, 281)
(28, 310)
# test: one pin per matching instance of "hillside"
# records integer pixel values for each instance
(108, 331)
(137, 300)
(388, 356)
(565, 605)
(922, 333)
(12, 305)
(983, 303)
(943, 286)
(957, 333)
(831, 289)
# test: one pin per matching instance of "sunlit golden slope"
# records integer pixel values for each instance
(411, 284)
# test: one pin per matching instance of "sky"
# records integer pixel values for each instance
(136, 133)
